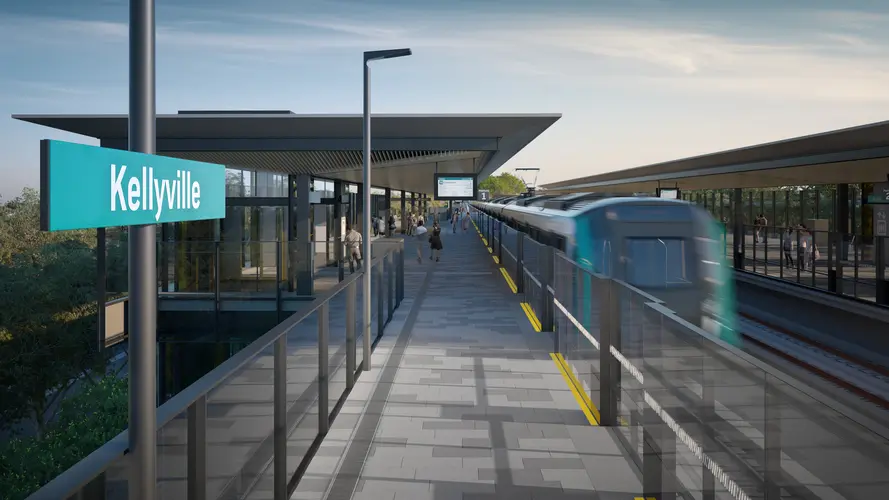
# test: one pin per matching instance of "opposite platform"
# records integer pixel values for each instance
(465, 402)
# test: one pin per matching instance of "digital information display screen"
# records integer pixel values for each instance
(670, 194)
(455, 187)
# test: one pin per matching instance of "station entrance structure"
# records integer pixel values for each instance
(292, 182)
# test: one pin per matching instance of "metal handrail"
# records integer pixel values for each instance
(657, 305)
(96, 463)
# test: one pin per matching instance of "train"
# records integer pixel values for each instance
(669, 249)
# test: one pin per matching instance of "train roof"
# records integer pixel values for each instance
(577, 205)
(624, 200)
(533, 200)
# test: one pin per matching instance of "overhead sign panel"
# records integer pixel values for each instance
(85, 187)
(455, 187)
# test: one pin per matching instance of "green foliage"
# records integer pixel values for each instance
(48, 359)
(86, 421)
(791, 205)
(505, 184)
(47, 311)
(20, 233)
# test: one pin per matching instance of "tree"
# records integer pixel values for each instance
(47, 312)
(505, 184)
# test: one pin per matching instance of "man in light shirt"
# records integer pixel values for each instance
(352, 240)
(422, 235)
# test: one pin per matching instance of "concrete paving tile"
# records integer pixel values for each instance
(569, 479)
(466, 402)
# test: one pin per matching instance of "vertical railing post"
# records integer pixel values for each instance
(831, 273)
(323, 368)
(772, 442)
(800, 257)
(708, 417)
(658, 440)
(609, 331)
(738, 228)
(381, 321)
(882, 295)
(351, 297)
(197, 449)
(500, 243)
(765, 251)
(217, 287)
(546, 271)
(390, 284)
(279, 486)
(400, 272)
(520, 262)
(278, 305)
(841, 253)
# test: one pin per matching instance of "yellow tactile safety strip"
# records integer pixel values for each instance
(590, 411)
(509, 280)
(583, 400)
(532, 318)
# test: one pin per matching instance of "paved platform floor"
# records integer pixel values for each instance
(465, 402)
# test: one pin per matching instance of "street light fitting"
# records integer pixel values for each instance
(375, 55)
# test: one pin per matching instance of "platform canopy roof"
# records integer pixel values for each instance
(852, 155)
(407, 149)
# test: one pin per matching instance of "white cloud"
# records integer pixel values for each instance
(836, 68)
(828, 59)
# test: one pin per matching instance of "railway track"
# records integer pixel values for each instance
(862, 379)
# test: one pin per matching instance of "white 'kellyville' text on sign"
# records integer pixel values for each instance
(147, 192)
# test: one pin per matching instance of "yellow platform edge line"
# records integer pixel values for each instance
(579, 387)
(496, 259)
(529, 311)
(583, 407)
(532, 318)
(508, 280)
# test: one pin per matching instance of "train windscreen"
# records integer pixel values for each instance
(658, 262)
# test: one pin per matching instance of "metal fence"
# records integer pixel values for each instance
(701, 418)
(841, 263)
(254, 422)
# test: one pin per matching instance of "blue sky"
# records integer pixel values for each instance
(638, 81)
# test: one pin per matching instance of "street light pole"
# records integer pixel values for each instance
(366, 296)
(142, 266)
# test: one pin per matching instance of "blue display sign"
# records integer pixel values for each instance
(85, 187)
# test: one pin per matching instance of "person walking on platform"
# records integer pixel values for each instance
(455, 219)
(787, 247)
(352, 240)
(435, 243)
(465, 220)
(422, 235)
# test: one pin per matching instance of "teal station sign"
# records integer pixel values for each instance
(85, 187)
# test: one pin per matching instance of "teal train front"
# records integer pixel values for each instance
(664, 250)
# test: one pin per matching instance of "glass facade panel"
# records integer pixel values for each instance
(248, 184)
